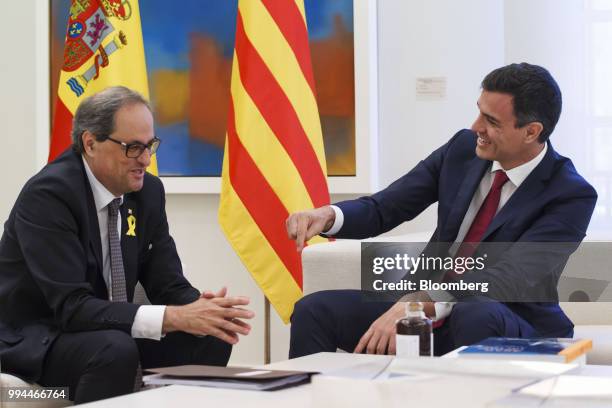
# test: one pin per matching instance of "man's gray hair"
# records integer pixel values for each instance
(97, 113)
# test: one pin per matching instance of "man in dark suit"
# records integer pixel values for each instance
(82, 233)
(500, 182)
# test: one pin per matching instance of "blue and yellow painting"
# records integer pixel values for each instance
(189, 49)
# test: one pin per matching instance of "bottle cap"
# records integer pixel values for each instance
(414, 309)
(415, 306)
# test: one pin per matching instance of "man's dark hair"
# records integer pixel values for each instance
(536, 97)
(97, 113)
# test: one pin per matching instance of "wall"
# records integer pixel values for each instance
(458, 40)
(555, 40)
(18, 82)
(542, 32)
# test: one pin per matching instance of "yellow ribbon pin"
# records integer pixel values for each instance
(131, 220)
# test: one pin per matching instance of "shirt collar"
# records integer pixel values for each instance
(518, 174)
(102, 197)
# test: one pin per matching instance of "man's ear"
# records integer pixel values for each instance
(89, 140)
(533, 132)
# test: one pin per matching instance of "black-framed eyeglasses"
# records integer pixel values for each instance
(134, 150)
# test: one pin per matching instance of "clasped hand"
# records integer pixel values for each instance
(212, 314)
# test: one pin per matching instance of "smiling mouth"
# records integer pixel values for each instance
(482, 142)
(138, 172)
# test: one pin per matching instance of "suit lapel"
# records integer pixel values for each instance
(94, 226)
(475, 170)
(526, 193)
(129, 243)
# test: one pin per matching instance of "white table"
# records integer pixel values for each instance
(445, 391)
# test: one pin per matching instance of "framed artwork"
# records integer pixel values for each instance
(189, 49)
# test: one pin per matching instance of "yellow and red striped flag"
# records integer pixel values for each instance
(274, 162)
(103, 48)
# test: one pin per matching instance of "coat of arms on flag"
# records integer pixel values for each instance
(89, 25)
(103, 47)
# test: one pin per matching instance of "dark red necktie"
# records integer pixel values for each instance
(485, 214)
(481, 222)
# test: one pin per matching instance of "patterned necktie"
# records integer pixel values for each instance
(118, 290)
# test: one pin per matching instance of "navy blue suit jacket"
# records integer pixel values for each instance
(51, 277)
(553, 204)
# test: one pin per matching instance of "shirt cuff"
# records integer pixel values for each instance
(148, 322)
(443, 309)
(337, 222)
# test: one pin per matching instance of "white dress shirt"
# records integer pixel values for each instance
(516, 176)
(149, 318)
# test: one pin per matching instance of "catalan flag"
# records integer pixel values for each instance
(274, 162)
(103, 48)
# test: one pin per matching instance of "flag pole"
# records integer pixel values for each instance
(267, 331)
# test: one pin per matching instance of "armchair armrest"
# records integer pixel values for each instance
(333, 265)
(336, 265)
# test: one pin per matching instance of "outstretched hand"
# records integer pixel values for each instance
(303, 225)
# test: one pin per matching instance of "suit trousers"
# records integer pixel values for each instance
(336, 319)
(102, 364)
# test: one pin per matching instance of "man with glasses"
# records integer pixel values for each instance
(82, 233)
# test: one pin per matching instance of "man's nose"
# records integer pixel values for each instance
(477, 126)
(145, 158)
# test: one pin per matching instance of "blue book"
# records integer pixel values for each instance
(547, 349)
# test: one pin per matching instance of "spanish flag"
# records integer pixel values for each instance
(274, 162)
(103, 48)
